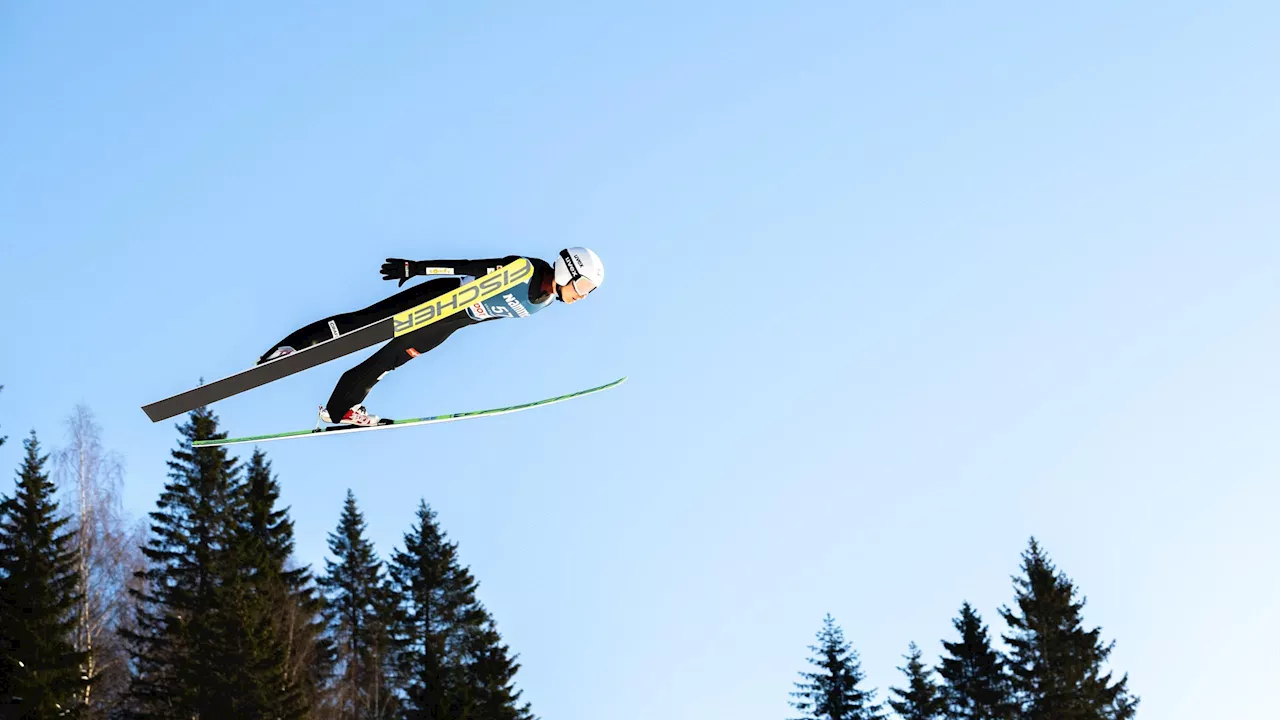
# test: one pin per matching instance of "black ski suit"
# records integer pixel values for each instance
(354, 385)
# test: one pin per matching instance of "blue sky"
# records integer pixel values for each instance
(896, 288)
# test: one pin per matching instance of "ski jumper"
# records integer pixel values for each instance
(354, 385)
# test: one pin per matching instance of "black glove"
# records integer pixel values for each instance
(402, 270)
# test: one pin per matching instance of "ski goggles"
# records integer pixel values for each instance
(585, 282)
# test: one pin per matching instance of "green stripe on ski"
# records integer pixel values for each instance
(342, 430)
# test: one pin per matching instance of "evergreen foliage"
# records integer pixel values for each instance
(450, 655)
(974, 685)
(298, 613)
(1058, 667)
(40, 670)
(180, 642)
(261, 599)
(491, 670)
(359, 613)
(920, 699)
(832, 692)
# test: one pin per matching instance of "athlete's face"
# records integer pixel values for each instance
(576, 290)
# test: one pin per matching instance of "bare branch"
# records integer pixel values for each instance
(107, 544)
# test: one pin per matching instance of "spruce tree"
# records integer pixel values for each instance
(491, 671)
(271, 636)
(920, 699)
(309, 657)
(1058, 667)
(450, 654)
(974, 684)
(832, 692)
(180, 640)
(359, 615)
(40, 673)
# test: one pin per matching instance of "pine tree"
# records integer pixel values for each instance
(180, 639)
(432, 599)
(309, 655)
(450, 654)
(40, 674)
(974, 685)
(1058, 667)
(491, 671)
(832, 693)
(920, 699)
(269, 650)
(359, 614)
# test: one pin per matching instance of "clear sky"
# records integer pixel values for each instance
(898, 285)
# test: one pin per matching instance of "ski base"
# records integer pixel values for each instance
(343, 429)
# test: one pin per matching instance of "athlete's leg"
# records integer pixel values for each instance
(330, 327)
(354, 385)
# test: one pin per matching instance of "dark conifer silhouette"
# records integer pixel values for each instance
(831, 691)
(1059, 668)
(40, 670)
(920, 699)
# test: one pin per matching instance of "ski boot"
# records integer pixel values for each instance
(355, 416)
(275, 354)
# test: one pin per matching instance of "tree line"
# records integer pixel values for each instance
(1052, 667)
(202, 612)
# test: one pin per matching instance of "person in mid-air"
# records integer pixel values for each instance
(575, 274)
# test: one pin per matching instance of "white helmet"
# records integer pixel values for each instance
(579, 262)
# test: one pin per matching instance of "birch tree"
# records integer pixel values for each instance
(106, 547)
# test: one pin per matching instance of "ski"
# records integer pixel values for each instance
(344, 429)
(495, 283)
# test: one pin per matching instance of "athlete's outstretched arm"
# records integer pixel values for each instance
(401, 269)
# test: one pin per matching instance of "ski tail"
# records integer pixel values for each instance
(270, 371)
